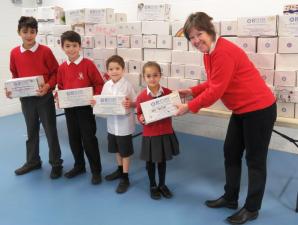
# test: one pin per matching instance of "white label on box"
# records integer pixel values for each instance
(106, 29)
(180, 43)
(109, 105)
(165, 69)
(153, 12)
(285, 78)
(101, 65)
(267, 75)
(247, 44)
(267, 45)
(286, 61)
(136, 41)
(228, 28)
(177, 70)
(103, 53)
(149, 41)
(123, 41)
(192, 72)
(257, 26)
(103, 16)
(134, 66)
(158, 55)
(160, 108)
(285, 109)
(131, 53)
(164, 41)
(24, 87)
(185, 57)
(75, 16)
(288, 25)
(100, 41)
(75, 97)
(111, 42)
(262, 60)
(156, 27)
(288, 45)
(87, 42)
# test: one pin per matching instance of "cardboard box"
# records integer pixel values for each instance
(286, 61)
(130, 28)
(45, 28)
(217, 25)
(191, 48)
(232, 39)
(228, 28)
(53, 13)
(74, 16)
(180, 44)
(123, 41)
(135, 66)
(41, 39)
(257, 26)
(267, 45)
(106, 29)
(110, 105)
(100, 41)
(177, 28)
(149, 41)
(134, 79)
(103, 53)
(203, 74)
(160, 108)
(285, 78)
(103, 16)
(111, 42)
(262, 60)
(58, 30)
(79, 28)
(156, 27)
(267, 75)
(24, 87)
(286, 94)
(57, 41)
(192, 72)
(174, 83)
(136, 41)
(29, 12)
(120, 18)
(188, 83)
(185, 57)
(164, 81)
(248, 44)
(285, 109)
(88, 42)
(131, 53)
(177, 70)
(153, 11)
(164, 41)
(101, 65)
(165, 69)
(288, 25)
(158, 55)
(75, 97)
(288, 45)
(88, 53)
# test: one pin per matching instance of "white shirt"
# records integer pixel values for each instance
(32, 49)
(159, 92)
(121, 125)
(77, 61)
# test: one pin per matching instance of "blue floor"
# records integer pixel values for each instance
(195, 175)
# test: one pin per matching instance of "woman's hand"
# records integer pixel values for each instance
(185, 92)
(181, 109)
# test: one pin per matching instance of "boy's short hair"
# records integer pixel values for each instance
(71, 36)
(152, 64)
(117, 59)
(27, 22)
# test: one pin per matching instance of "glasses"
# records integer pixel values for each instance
(155, 75)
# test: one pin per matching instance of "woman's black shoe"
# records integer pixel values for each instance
(164, 190)
(154, 193)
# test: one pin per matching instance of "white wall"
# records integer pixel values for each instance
(218, 9)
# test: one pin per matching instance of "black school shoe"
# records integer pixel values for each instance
(26, 168)
(164, 190)
(154, 193)
(114, 176)
(122, 186)
(75, 172)
(96, 178)
(56, 172)
(222, 203)
(242, 216)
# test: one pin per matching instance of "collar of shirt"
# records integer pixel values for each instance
(213, 45)
(77, 61)
(32, 49)
(119, 82)
(160, 92)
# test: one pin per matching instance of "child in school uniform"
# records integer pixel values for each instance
(120, 127)
(79, 72)
(159, 142)
(32, 59)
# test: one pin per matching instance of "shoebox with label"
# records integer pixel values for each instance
(136, 41)
(120, 18)
(228, 28)
(164, 41)
(177, 70)
(153, 11)
(109, 105)
(267, 45)
(75, 97)
(103, 16)
(135, 66)
(158, 55)
(131, 53)
(160, 108)
(25, 86)
(29, 12)
(177, 28)
(286, 61)
(149, 41)
(285, 109)
(45, 28)
(106, 29)
(286, 94)
(288, 45)
(88, 42)
(79, 28)
(180, 44)
(111, 41)
(186, 57)
(257, 26)
(41, 39)
(156, 27)
(262, 60)
(174, 83)
(218, 105)
(248, 44)
(288, 25)
(267, 75)
(100, 41)
(192, 72)
(103, 53)
(129, 28)
(165, 69)
(285, 78)
(100, 65)
(75, 16)
(123, 41)
(50, 13)
(88, 53)
(134, 79)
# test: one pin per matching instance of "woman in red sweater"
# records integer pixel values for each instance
(233, 78)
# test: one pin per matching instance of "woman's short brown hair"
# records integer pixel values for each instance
(151, 64)
(200, 21)
(117, 59)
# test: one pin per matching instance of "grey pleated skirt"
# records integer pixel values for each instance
(159, 148)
